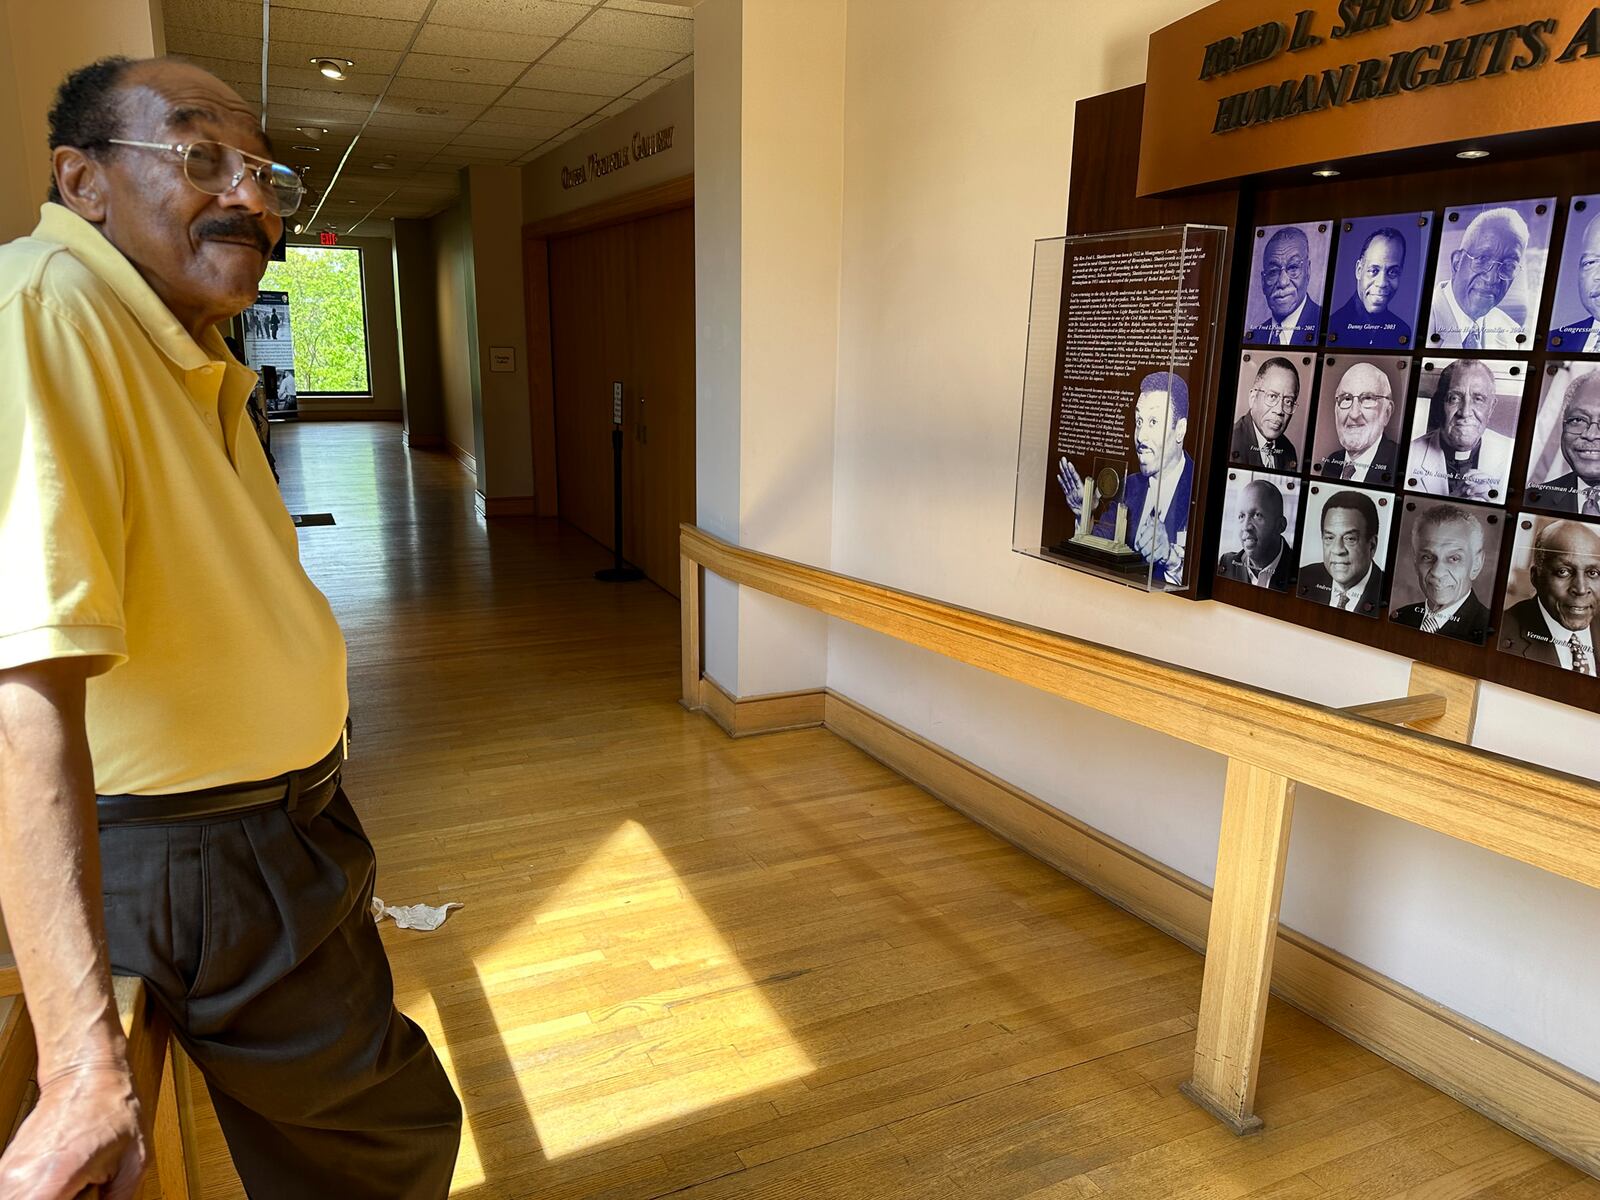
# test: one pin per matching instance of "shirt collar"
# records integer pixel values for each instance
(1293, 319)
(1358, 588)
(1445, 614)
(1364, 459)
(1271, 566)
(88, 245)
(1560, 633)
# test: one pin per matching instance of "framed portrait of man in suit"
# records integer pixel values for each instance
(1552, 593)
(1270, 414)
(1344, 548)
(1444, 568)
(1377, 281)
(1464, 428)
(1575, 308)
(1489, 275)
(1360, 410)
(1288, 280)
(1260, 513)
(1564, 459)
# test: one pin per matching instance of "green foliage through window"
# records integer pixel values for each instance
(327, 316)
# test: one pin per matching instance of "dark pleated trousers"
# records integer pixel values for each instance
(254, 933)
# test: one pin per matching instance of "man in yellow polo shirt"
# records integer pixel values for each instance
(170, 675)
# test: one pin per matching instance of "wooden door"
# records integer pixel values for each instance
(622, 309)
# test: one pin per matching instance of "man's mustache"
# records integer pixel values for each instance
(235, 229)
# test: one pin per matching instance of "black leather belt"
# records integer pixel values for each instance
(303, 794)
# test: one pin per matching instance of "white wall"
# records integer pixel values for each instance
(958, 124)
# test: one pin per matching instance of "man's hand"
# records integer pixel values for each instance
(1071, 485)
(84, 1132)
(1151, 541)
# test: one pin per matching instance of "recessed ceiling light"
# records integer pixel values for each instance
(311, 131)
(383, 166)
(299, 228)
(1325, 173)
(461, 70)
(309, 149)
(1472, 154)
(333, 68)
(432, 112)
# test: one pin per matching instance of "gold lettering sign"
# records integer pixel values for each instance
(595, 165)
(1250, 86)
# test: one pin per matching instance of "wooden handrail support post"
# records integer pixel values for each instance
(1409, 757)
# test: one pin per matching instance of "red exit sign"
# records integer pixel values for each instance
(328, 237)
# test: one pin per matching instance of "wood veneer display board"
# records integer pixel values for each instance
(1422, 452)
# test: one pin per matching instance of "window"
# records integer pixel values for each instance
(328, 316)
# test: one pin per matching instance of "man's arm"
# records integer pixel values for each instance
(85, 1129)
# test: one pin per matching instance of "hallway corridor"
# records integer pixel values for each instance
(700, 967)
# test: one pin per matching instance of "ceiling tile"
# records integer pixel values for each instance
(592, 83)
(649, 6)
(570, 102)
(595, 56)
(530, 118)
(618, 106)
(214, 16)
(478, 43)
(488, 141)
(399, 10)
(648, 87)
(398, 123)
(408, 106)
(461, 70)
(590, 122)
(342, 35)
(526, 134)
(621, 28)
(679, 69)
(550, 17)
(314, 101)
(451, 90)
(191, 42)
(304, 75)
(288, 53)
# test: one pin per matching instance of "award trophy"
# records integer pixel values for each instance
(1113, 552)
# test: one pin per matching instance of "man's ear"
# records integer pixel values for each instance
(81, 182)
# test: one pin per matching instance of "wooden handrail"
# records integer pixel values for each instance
(1273, 742)
(1536, 815)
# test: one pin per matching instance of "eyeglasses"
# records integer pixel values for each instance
(1501, 268)
(216, 168)
(1578, 425)
(1295, 268)
(1370, 401)
(1282, 401)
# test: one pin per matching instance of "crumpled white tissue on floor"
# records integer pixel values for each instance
(413, 916)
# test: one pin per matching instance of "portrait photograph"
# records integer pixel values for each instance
(1344, 548)
(1259, 515)
(1361, 404)
(1574, 328)
(1464, 428)
(1271, 412)
(1288, 281)
(1564, 461)
(1377, 281)
(1444, 568)
(1489, 275)
(1552, 592)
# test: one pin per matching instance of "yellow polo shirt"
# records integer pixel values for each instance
(140, 525)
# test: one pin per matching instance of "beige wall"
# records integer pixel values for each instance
(542, 193)
(452, 302)
(501, 410)
(957, 139)
(383, 338)
(417, 305)
(40, 43)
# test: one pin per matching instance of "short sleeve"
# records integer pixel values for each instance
(61, 495)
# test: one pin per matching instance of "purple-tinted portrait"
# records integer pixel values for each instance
(1377, 281)
(1575, 312)
(1269, 415)
(1361, 404)
(1288, 279)
(1489, 275)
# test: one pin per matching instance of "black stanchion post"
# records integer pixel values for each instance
(619, 571)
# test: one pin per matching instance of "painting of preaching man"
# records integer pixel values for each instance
(1487, 282)
(1157, 495)
(1369, 318)
(1291, 270)
(1555, 625)
(1447, 547)
(1457, 454)
(1261, 436)
(1341, 567)
(1577, 303)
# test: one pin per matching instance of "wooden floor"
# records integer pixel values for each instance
(696, 967)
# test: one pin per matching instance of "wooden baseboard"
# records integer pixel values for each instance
(504, 506)
(412, 441)
(1535, 1097)
(760, 714)
(347, 414)
(468, 462)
